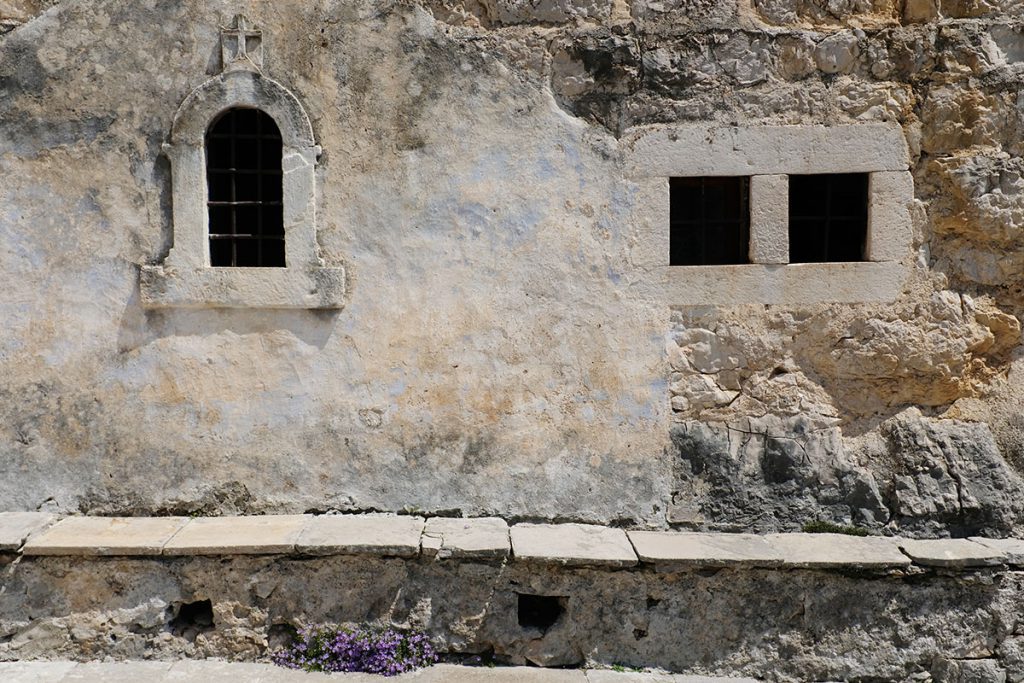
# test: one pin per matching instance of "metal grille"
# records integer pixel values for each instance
(243, 177)
(828, 217)
(710, 221)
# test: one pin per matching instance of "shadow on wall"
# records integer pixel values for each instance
(140, 326)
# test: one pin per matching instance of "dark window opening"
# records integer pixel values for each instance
(243, 178)
(540, 611)
(709, 221)
(828, 217)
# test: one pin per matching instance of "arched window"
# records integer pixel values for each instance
(243, 176)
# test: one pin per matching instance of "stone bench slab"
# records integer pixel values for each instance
(15, 527)
(835, 551)
(572, 545)
(387, 535)
(955, 553)
(1012, 548)
(670, 550)
(256, 535)
(482, 538)
(105, 536)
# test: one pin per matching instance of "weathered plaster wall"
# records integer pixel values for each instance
(499, 350)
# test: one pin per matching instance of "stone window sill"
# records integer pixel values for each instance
(171, 287)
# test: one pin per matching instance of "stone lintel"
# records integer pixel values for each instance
(253, 535)
(956, 553)
(105, 536)
(837, 551)
(387, 535)
(15, 527)
(483, 538)
(669, 150)
(572, 545)
(669, 550)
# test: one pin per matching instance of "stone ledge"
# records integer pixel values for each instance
(257, 535)
(572, 545)
(487, 540)
(361, 535)
(316, 288)
(484, 538)
(15, 527)
(105, 536)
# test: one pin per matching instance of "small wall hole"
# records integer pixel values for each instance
(192, 618)
(540, 611)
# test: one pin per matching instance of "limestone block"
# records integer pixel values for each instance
(696, 150)
(484, 538)
(769, 219)
(15, 527)
(391, 535)
(173, 287)
(255, 535)
(105, 536)
(951, 552)
(1012, 548)
(669, 550)
(572, 545)
(823, 551)
(890, 230)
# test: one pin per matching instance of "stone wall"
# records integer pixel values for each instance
(500, 349)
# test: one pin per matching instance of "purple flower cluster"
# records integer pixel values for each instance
(387, 651)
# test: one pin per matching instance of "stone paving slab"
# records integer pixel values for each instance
(213, 671)
(572, 545)
(105, 536)
(1012, 548)
(253, 535)
(118, 672)
(482, 538)
(834, 551)
(34, 672)
(955, 553)
(15, 527)
(389, 535)
(450, 673)
(599, 676)
(200, 671)
(678, 549)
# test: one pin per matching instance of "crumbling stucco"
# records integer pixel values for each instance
(500, 350)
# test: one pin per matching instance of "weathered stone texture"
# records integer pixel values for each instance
(793, 625)
(502, 349)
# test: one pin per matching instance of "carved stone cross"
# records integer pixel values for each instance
(241, 46)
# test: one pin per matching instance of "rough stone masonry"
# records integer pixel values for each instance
(501, 350)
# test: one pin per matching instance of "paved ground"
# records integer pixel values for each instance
(215, 672)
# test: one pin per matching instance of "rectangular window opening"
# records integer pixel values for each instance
(709, 221)
(828, 217)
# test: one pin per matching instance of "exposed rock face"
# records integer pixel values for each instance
(922, 476)
(501, 349)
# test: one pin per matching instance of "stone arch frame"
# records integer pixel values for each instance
(186, 278)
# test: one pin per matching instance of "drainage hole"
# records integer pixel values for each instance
(192, 618)
(540, 611)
